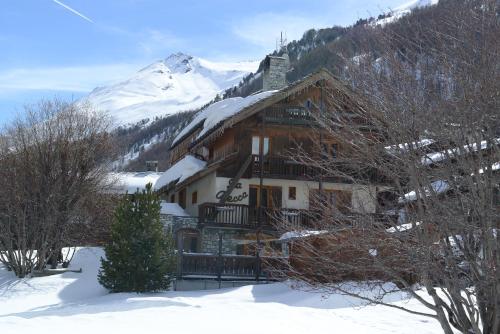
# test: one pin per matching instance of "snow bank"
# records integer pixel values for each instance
(180, 171)
(219, 111)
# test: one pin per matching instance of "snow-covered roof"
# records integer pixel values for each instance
(180, 171)
(437, 187)
(299, 234)
(402, 227)
(494, 167)
(131, 182)
(219, 111)
(173, 209)
(405, 147)
(431, 158)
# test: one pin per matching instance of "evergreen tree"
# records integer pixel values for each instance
(140, 256)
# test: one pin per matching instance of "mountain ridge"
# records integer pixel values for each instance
(180, 82)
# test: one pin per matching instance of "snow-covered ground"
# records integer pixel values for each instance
(75, 303)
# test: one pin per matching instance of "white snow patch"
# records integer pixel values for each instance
(180, 171)
(219, 111)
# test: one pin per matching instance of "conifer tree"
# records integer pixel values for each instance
(140, 256)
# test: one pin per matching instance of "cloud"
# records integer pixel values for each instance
(153, 42)
(73, 11)
(71, 79)
(264, 28)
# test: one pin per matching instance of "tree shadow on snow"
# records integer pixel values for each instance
(84, 294)
(298, 295)
(119, 302)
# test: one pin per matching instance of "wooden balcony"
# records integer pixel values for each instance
(280, 167)
(239, 215)
(288, 116)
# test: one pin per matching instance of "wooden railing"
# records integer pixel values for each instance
(244, 216)
(275, 166)
(223, 152)
(288, 115)
(218, 266)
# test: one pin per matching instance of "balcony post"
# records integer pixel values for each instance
(219, 261)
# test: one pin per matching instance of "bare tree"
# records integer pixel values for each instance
(425, 129)
(53, 163)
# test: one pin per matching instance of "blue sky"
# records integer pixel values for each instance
(65, 48)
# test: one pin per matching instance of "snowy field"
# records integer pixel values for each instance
(76, 303)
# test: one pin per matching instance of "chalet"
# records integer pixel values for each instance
(231, 169)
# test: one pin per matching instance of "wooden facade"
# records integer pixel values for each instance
(251, 177)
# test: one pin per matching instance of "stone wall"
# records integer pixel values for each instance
(210, 240)
(209, 236)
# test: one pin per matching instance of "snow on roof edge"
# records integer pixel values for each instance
(220, 111)
(180, 171)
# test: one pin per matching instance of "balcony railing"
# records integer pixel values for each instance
(214, 265)
(288, 115)
(275, 166)
(240, 215)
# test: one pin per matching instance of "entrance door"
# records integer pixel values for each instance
(271, 197)
(271, 200)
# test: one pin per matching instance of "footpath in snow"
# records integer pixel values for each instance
(76, 303)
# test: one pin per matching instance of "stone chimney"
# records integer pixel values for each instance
(275, 68)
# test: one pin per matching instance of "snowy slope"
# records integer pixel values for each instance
(177, 83)
(405, 9)
(75, 303)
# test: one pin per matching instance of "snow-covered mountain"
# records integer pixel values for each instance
(178, 83)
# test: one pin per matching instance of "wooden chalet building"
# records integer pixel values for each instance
(230, 168)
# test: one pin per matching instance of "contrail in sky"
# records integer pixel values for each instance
(73, 11)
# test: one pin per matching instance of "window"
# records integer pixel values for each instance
(172, 198)
(265, 147)
(257, 144)
(292, 193)
(334, 150)
(188, 239)
(329, 150)
(182, 198)
(194, 197)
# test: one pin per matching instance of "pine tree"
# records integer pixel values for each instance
(140, 256)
